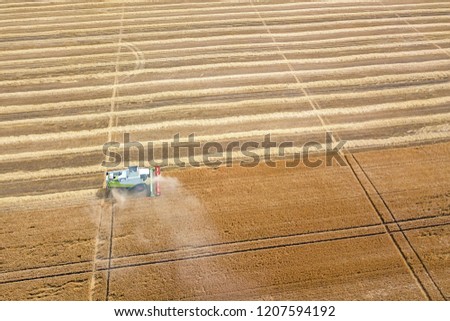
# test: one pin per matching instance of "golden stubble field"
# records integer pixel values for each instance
(75, 75)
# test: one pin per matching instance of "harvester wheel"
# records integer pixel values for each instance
(138, 188)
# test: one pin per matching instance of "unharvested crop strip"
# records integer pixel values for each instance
(111, 234)
(251, 249)
(230, 252)
(387, 230)
(423, 220)
(262, 248)
(92, 281)
(82, 271)
(393, 218)
(41, 267)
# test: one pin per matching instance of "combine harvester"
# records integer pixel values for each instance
(134, 179)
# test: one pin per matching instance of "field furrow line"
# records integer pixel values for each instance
(226, 248)
(260, 247)
(256, 245)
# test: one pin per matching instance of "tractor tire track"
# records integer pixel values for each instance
(228, 248)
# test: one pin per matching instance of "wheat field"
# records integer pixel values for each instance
(75, 75)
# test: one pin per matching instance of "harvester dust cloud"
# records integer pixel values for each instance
(183, 225)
